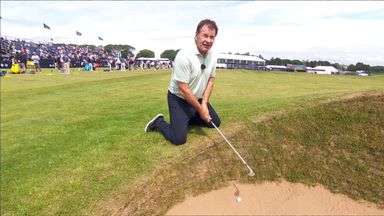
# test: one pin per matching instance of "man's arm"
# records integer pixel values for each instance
(207, 92)
(187, 94)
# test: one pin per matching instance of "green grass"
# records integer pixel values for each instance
(74, 145)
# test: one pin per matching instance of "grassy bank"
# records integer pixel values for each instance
(339, 144)
(75, 145)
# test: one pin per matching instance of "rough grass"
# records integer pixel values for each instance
(339, 144)
(74, 145)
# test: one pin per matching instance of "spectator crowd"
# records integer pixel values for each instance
(63, 56)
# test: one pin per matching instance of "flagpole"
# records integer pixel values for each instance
(48, 28)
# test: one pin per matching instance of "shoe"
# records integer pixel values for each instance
(151, 124)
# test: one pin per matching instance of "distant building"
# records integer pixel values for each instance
(296, 68)
(231, 61)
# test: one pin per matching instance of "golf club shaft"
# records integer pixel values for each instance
(237, 153)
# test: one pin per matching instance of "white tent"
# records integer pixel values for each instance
(276, 67)
(325, 70)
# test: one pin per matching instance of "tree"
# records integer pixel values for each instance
(275, 61)
(362, 66)
(88, 46)
(338, 66)
(377, 69)
(351, 67)
(126, 50)
(359, 66)
(296, 62)
(145, 53)
(169, 54)
(324, 63)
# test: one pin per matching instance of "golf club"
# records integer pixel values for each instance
(251, 173)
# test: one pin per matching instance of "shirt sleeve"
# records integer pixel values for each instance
(181, 69)
(213, 72)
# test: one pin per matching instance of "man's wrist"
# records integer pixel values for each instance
(204, 102)
(201, 109)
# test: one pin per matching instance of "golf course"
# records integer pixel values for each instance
(75, 144)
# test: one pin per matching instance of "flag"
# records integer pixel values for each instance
(45, 26)
(78, 33)
(100, 38)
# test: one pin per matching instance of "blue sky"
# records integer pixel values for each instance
(346, 32)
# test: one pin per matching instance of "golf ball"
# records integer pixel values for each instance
(238, 199)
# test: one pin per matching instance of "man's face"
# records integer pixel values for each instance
(204, 39)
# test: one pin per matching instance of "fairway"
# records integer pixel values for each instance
(75, 145)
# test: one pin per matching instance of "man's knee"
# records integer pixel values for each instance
(179, 140)
(217, 122)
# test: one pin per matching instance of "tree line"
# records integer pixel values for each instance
(171, 54)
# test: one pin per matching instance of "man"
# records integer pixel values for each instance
(190, 88)
(65, 61)
(58, 63)
(36, 60)
(23, 60)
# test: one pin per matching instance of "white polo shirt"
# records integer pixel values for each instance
(187, 69)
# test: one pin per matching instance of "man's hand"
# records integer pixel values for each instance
(201, 108)
(204, 114)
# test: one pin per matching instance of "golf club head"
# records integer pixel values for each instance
(251, 174)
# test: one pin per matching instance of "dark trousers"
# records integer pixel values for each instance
(182, 114)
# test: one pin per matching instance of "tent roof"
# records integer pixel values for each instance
(240, 57)
(326, 68)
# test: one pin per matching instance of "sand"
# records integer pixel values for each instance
(273, 199)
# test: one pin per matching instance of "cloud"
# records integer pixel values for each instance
(345, 31)
(308, 29)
